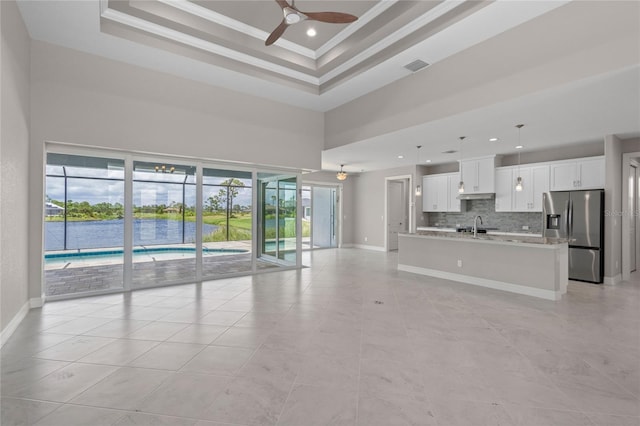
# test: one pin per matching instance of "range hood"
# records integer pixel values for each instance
(484, 196)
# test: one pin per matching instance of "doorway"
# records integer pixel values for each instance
(397, 209)
(633, 216)
(320, 216)
(630, 217)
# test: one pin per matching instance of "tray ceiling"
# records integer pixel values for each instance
(232, 34)
(222, 42)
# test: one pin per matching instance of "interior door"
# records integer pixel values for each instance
(324, 217)
(396, 212)
(633, 206)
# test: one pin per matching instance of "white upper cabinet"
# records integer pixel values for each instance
(454, 205)
(434, 193)
(504, 189)
(535, 182)
(563, 176)
(439, 193)
(478, 175)
(429, 194)
(540, 181)
(582, 173)
(591, 173)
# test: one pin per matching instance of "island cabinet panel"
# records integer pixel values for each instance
(578, 174)
(532, 266)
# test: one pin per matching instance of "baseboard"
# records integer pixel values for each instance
(616, 279)
(484, 282)
(366, 247)
(35, 302)
(14, 323)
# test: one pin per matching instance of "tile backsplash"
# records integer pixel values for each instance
(504, 221)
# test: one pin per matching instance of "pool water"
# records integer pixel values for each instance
(142, 254)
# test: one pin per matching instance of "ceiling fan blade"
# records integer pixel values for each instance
(282, 3)
(276, 34)
(331, 17)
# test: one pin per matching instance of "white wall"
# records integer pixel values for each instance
(89, 100)
(369, 207)
(613, 203)
(631, 145)
(84, 99)
(14, 165)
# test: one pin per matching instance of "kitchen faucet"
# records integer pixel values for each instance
(475, 225)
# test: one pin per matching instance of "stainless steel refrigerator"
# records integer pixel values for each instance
(579, 216)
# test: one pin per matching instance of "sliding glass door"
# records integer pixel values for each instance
(227, 212)
(278, 199)
(83, 224)
(164, 223)
(130, 222)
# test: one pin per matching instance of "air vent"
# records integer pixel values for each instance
(451, 151)
(416, 65)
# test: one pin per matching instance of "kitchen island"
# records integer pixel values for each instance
(534, 266)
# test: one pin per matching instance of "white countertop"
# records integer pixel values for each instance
(514, 234)
(502, 238)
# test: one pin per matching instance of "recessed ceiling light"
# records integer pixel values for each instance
(427, 161)
(519, 147)
(311, 32)
(401, 156)
(493, 139)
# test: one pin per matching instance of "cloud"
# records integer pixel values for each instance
(144, 193)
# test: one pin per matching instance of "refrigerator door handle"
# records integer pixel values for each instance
(570, 218)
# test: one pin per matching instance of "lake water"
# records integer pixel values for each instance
(110, 233)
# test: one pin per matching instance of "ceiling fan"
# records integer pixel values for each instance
(293, 15)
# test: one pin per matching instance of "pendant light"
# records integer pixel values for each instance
(341, 175)
(461, 184)
(519, 147)
(418, 187)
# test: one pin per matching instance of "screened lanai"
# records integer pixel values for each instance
(114, 224)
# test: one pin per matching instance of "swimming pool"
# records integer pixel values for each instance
(138, 253)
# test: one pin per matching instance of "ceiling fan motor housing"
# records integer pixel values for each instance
(291, 16)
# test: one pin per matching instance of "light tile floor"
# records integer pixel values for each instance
(312, 347)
